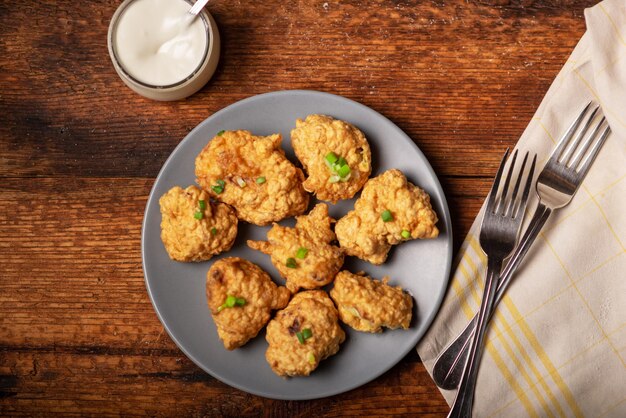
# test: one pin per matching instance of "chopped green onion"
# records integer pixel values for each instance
(302, 252)
(307, 333)
(230, 302)
(387, 216)
(406, 234)
(311, 358)
(219, 187)
(213, 231)
(202, 204)
(260, 180)
(198, 215)
(304, 335)
(343, 171)
(331, 158)
(220, 133)
(240, 301)
(241, 182)
(291, 263)
(339, 168)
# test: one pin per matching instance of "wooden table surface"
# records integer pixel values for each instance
(79, 153)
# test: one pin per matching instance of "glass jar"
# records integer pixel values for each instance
(172, 90)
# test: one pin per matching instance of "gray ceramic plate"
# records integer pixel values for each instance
(177, 289)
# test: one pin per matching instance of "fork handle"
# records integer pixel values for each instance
(449, 364)
(541, 215)
(462, 407)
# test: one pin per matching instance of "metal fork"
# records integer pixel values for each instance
(500, 228)
(557, 183)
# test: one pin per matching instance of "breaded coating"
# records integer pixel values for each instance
(191, 233)
(303, 255)
(318, 135)
(257, 294)
(407, 211)
(252, 174)
(368, 305)
(303, 334)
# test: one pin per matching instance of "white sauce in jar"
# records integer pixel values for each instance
(158, 43)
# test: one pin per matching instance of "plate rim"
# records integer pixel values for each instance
(428, 320)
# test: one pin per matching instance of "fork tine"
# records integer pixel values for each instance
(496, 183)
(529, 180)
(586, 145)
(574, 144)
(568, 134)
(505, 189)
(511, 205)
(593, 154)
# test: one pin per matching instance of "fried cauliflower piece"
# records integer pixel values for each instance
(317, 136)
(191, 233)
(303, 334)
(368, 305)
(252, 174)
(303, 255)
(252, 294)
(407, 211)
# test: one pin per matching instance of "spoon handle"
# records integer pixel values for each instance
(197, 7)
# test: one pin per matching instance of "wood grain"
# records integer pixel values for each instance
(453, 75)
(55, 382)
(79, 152)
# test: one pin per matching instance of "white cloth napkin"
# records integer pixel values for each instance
(557, 344)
